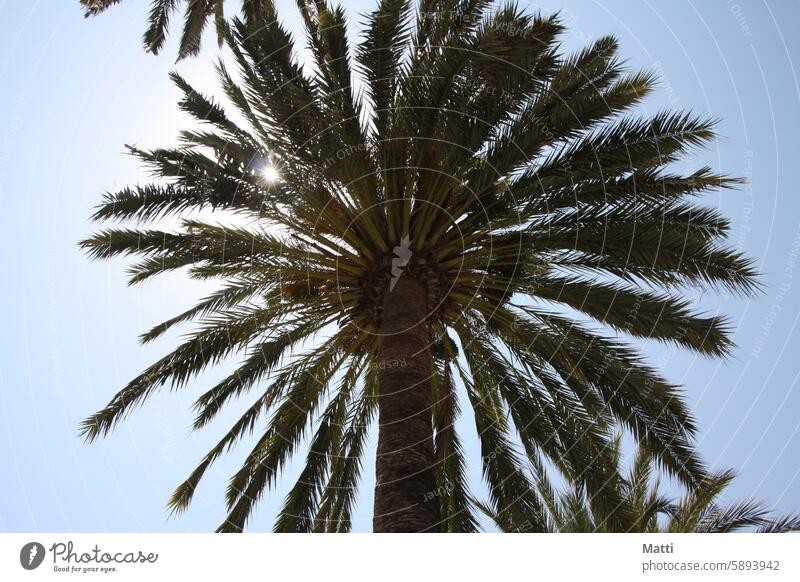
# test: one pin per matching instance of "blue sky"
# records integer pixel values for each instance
(74, 91)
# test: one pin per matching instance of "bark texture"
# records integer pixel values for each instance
(405, 465)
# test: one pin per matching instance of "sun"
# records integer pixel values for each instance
(270, 173)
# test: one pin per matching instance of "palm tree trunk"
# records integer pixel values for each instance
(405, 478)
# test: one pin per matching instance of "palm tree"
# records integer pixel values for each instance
(196, 16)
(446, 227)
(643, 508)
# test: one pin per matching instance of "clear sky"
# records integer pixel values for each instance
(74, 91)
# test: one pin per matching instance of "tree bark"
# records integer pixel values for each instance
(405, 499)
